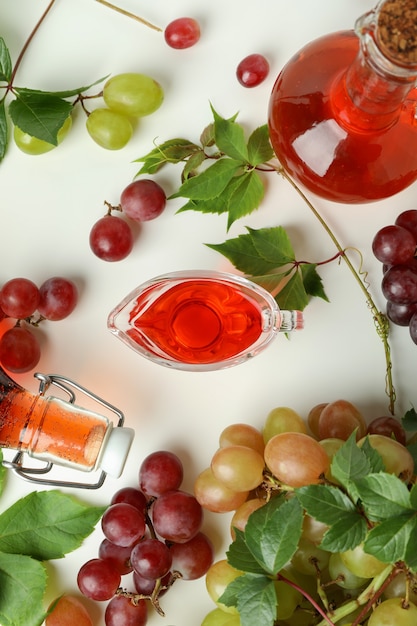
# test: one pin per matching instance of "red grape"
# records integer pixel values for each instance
(192, 558)
(132, 496)
(393, 244)
(413, 328)
(151, 558)
(177, 516)
(181, 33)
(252, 70)
(111, 238)
(121, 611)
(19, 298)
(388, 426)
(399, 284)
(159, 472)
(401, 314)
(58, 298)
(143, 200)
(19, 350)
(123, 524)
(98, 579)
(408, 220)
(145, 586)
(118, 555)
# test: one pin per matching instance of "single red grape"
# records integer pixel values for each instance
(132, 496)
(123, 524)
(143, 200)
(58, 298)
(401, 314)
(118, 555)
(19, 298)
(111, 238)
(159, 472)
(98, 579)
(121, 611)
(399, 284)
(177, 516)
(19, 350)
(389, 427)
(252, 70)
(413, 328)
(394, 245)
(408, 220)
(151, 558)
(181, 33)
(192, 558)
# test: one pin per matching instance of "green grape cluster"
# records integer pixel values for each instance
(255, 474)
(126, 96)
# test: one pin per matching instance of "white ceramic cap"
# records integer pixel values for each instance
(116, 449)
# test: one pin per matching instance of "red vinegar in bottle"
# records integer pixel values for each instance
(342, 113)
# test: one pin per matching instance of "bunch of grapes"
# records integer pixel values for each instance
(152, 533)
(251, 465)
(112, 238)
(22, 300)
(395, 246)
(126, 97)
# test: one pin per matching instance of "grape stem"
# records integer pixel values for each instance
(131, 15)
(380, 320)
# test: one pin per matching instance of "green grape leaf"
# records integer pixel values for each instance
(413, 496)
(331, 506)
(5, 62)
(312, 281)
(350, 463)
(412, 448)
(259, 146)
(409, 421)
(293, 296)
(325, 503)
(389, 541)
(4, 131)
(207, 137)
(410, 556)
(210, 183)
(171, 151)
(22, 587)
(383, 496)
(272, 533)
(345, 534)
(258, 252)
(67, 93)
(230, 138)
(245, 194)
(46, 525)
(376, 462)
(273, 245)
(40, 116)
(192, 164)
(255, 598)
(240, 557)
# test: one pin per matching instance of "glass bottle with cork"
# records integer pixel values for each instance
(342, 113)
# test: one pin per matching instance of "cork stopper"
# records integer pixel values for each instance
(397, 30)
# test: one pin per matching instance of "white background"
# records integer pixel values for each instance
(49, 203)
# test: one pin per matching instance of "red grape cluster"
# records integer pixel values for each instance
(395, 246)
(22, 300)
(112, 238)
(152, 533)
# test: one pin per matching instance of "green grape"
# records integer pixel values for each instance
(240, 468)
(242, 513)
(133, 94)
(217, 617)
(342, 575)
(288, 598)
(397, 588)
(282, 419)
(313, 530)
(308, 556)
(32, 145)
(331, 445)
(242, 435)
(391, 612)
(109, 129)
(360, 563)
(219, 575)
(397, 459)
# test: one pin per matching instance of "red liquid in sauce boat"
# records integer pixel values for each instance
(200, 320)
